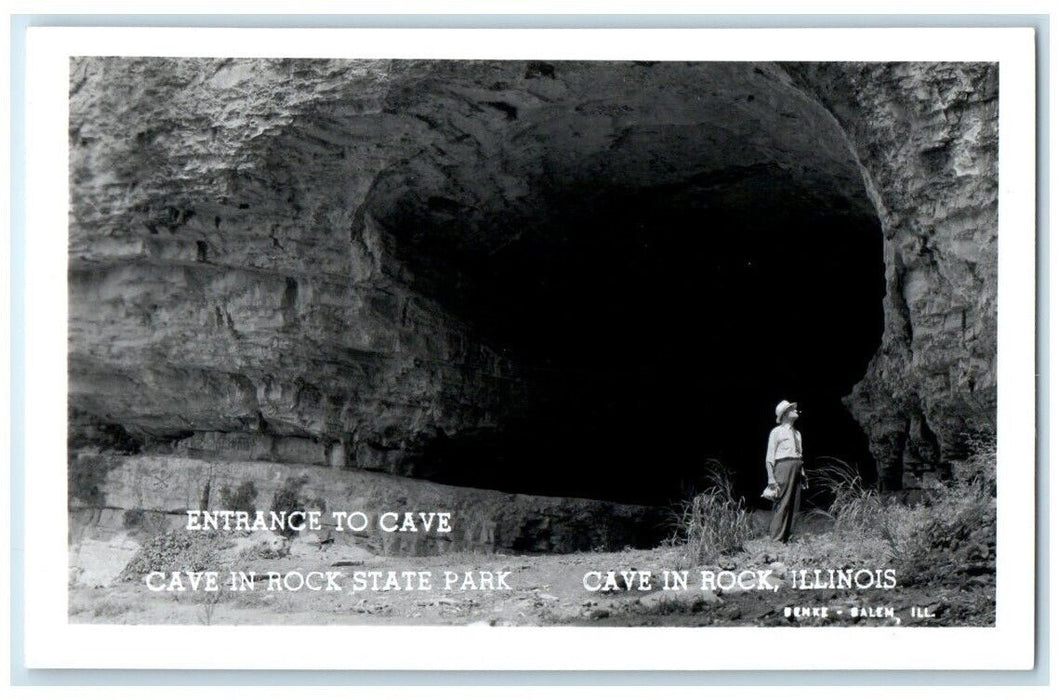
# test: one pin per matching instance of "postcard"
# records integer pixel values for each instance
(530, 349)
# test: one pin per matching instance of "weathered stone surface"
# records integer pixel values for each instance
(251, 258)
(265, 255)
(926, 136)
(217, 284)
(159, 489)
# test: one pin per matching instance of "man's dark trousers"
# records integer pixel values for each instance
(788, 472)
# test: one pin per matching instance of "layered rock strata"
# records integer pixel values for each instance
(107, 490)
(926, 136)
(221, 294)
(266, 255)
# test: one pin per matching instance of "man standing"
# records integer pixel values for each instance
(784, 468)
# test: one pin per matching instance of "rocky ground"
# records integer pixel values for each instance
(507, 590)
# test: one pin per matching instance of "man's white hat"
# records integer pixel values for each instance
(783, 407)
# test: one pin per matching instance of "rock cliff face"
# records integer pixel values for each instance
(159, 490)
(402, 266)
(220, 293)
(926, 136)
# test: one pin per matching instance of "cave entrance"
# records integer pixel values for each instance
(660, 286)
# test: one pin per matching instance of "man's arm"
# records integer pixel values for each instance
(771, 456)
(802, 455)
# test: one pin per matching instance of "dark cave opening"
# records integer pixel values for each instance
(656, 329)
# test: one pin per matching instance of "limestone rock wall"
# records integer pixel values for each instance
(105, 490)
(926, 136)
(235, 288)
(220, 295)
(235, 282)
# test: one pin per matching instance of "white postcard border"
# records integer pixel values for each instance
(52, 642)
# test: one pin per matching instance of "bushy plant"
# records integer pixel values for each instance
(289, 499)
(950, 535)
(178, 550)
(85, 478)
(242, 498)
(133, 518)
(956, 539)
(977, 473)
(208, 605)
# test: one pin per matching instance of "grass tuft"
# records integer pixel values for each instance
(713, 523)
(860, 511)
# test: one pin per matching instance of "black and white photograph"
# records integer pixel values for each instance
(532, 342)
(529, 350)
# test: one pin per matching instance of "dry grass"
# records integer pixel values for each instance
(713, 523)
(949, 537)
(953, 529)
(861, 512)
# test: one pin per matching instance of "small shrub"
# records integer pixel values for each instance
(133, 518)
(242, 498)
(289, 498)
(178, 550)
(956, 539)
(208, 605)
(713, 523)
(977, 474)
(85, 478)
